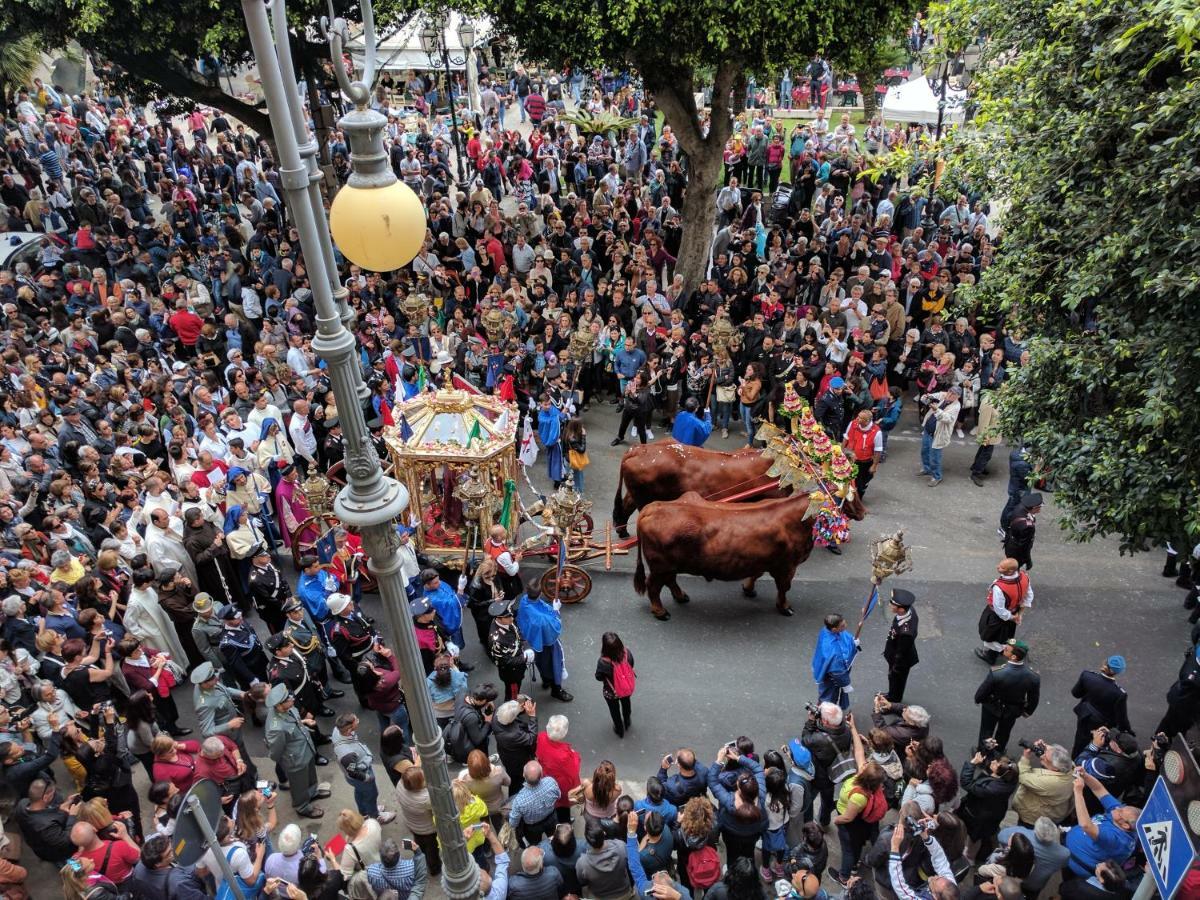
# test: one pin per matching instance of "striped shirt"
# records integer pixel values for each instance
(534, 802)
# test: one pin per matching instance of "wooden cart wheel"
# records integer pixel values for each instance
(306, 547)
(571, 587)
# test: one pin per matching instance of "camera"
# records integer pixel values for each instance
(916, 826)
(1038, 747)
(267, 788)
(813, 709)
(311, 846)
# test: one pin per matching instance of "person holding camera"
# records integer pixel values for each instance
(1113, 758)
(828, 738)
(356, 760)
(942, 885)
(1045, 789)
(1108, 836)
(45, 819)
(988, 779)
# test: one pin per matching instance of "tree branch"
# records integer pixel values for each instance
(174, 82)
(721, 125)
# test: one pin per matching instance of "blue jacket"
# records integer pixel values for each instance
(679, 789)
(689, 429)
(725, 800)
(447, 604)
(1019, 470)
(889, 415)
(628, 363)
(312, 593)
(666, 809)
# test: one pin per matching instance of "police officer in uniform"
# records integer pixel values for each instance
(352, 637)
(288, 668)
(1022, 528)
(1102, 703)
(335, 451)
(300, 629)
(1183, 697)
(375, 426)
(268, 588)
(219, 710)
(507, 648)
(241, 651)
(900, 648)
(291, 746)
(1009, 692)
(207, 630)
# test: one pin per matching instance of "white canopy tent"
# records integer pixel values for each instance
(915, 101)
(402, 50)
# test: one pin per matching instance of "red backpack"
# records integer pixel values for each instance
(703, 867)
(624, 679)
(877, 805)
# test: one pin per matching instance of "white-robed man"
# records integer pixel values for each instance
(164, 545)
(147, 621)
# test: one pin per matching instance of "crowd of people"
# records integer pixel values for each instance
(162, 404)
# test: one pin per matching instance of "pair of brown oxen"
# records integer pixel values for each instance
(681, 532)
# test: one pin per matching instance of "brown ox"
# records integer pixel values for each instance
(724, 542)
(666, 470)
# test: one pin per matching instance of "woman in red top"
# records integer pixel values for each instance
(175, 761)
(560, 761)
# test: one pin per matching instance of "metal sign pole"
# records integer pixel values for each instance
(192, 806)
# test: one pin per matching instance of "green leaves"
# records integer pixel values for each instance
(1087, 132)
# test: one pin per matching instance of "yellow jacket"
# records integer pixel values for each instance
(1042, 792)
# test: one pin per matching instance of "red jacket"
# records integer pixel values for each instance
(561, 761)
(186, 326)
(182, 772)
(221, 769)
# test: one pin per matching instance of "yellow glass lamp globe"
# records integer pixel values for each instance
(378, 228)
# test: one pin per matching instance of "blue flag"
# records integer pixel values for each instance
(326, 547)
(562, 554)
(405, 428)
(872, 602)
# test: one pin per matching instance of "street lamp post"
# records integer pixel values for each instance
(379, 224)
(433, 42)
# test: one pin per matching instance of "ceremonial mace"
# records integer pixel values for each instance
(889, 556)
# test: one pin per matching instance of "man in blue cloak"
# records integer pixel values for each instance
(541, 625)
(832, 659)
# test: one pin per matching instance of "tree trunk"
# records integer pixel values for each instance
(866, 86)
(674, 94)
(699, 212)
(174, 82)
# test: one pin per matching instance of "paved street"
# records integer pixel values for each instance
(725, 666)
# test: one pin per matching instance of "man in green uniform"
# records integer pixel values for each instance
(291, 746)
(219, 710)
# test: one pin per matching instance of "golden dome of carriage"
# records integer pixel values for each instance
(456, 452)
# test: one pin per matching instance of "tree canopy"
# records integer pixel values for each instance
(156, 44)
(668, 42)
(1087, 135)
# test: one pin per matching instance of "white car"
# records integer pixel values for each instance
(23, 246)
